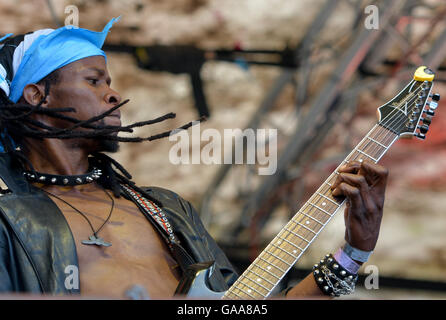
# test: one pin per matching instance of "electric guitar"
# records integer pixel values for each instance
(408, 114)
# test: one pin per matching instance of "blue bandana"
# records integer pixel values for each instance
(28, 58)
(44, 51)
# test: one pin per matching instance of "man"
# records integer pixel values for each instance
(58, 216)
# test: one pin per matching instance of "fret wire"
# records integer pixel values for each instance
(244, 275)
(271, 264)
(389, 136)
(231, 291)
(294, 245)
(300, 224)
(377, 142)
(366, 148)
(269, 252)
(249, 287)
(310, 210)
(312, 218)
(242, 291)
(266, 270)
(320, 197)
(373, 146)
(294, 233)
(263, 278)
(367, 155)
(289, 253)
(247, 292)
(329, 214)
(369, 149)
(334, 202)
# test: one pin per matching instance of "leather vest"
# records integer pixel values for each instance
(36, 243)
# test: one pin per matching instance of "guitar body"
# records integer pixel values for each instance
(194, 283)
(405, 115)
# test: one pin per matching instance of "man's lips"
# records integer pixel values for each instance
(115, 119)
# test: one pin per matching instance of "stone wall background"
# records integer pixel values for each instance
(413, 233)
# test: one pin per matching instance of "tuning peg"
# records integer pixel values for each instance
(420, 136)
(435, 97)
(429, 112)
(427, 120)
(432, 105)
(423, 128)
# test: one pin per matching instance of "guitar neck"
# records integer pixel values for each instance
(265, 273)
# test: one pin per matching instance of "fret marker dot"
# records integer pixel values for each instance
(268, 267)
(249, 290)
(360, 160)
(307, 222)
(324, 203)
(294, 251)
(258, 279)
(279, 241)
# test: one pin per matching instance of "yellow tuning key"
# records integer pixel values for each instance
(423, 73)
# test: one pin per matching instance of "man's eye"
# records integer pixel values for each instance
(93, 81)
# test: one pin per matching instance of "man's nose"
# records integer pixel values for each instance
(112, 97)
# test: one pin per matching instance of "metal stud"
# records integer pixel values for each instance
(42, 178)
(78, 180)
(343, 273)
(53, 180)
(65, 181)
(320, 280)
(335, 266)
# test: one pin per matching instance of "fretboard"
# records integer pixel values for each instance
(265, 273)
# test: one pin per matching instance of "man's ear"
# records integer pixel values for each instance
(33, 93)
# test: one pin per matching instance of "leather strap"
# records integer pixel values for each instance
(159, 220)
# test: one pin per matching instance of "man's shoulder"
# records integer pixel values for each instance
(163, 194)
(171, 200)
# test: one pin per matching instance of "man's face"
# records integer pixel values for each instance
(85, 86)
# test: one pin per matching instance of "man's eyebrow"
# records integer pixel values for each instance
(101, 72)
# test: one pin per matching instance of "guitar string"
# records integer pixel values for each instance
(377, 131)
(364, 148)
(367, 144)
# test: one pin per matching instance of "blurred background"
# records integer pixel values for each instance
(314, 70)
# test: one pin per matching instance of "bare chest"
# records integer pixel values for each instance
(138, 255)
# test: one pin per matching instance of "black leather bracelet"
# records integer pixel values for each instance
(332, 278)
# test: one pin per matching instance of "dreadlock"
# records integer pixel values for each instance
(16, 120)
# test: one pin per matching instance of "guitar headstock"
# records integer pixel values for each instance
(410, 113)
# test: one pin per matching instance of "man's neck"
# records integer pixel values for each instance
(54, 156)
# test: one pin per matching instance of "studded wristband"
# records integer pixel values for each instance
(332, 278)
